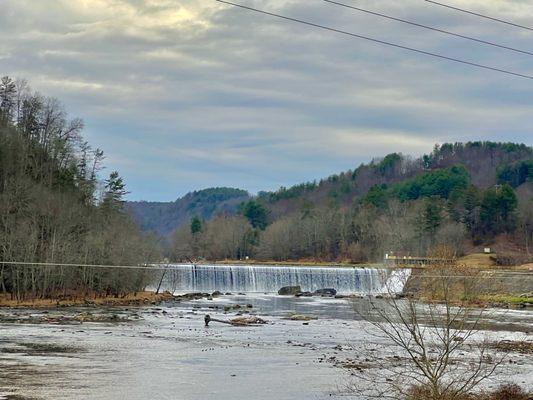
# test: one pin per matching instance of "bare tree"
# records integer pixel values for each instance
(433, 350)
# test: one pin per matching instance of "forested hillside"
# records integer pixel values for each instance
(54, 209)
(486, 163)
(463, 196)
(163, 218)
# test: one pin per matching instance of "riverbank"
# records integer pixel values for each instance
(139, 298)
(473, 286)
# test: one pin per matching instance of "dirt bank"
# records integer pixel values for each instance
(138, 298)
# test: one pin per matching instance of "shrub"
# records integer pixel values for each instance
(510, 391)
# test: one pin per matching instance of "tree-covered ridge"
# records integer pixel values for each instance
(54, 209)
(393, 176)
(214, 195)
(163, 218)
(456, 196)
(481, 159)
(288, 193)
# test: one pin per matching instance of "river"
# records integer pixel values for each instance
(166, 352)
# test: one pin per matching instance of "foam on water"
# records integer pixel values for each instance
(269, 279)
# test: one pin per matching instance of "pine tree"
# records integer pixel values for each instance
(432, 216)
(115, 190)
(196, 225)
(256, 213)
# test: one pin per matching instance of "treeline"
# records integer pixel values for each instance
(53, 208)
(414, 215)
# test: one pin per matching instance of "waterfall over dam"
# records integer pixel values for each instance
(269, 279)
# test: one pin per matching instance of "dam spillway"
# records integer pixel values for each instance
(269, 279)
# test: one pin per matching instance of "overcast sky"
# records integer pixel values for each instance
(184, 94)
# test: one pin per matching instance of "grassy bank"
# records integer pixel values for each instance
(473, 285)
(525, 299)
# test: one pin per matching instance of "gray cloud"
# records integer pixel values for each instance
(188, 94)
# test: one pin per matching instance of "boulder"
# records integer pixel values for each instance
(289, 290)
(328, 292)
(304, 294)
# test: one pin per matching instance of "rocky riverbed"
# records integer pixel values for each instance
(307, 349)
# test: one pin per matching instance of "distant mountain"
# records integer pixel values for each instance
(162, 218)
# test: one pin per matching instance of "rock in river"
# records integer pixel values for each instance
(304, 294)
(325, 292)
(289, 290)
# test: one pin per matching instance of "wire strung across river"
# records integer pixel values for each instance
(179, 267)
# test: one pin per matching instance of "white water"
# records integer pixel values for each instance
(269, 279)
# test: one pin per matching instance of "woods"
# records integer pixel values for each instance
(395, 205)
(54, 208)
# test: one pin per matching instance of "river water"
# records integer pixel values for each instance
(166, 352)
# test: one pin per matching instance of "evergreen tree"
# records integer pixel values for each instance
(196, 225)
(256, 213)
(497, 210)
(377, 196)
(115, 190)
(432, 216)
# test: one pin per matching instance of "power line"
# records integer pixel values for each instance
(42, 264)
(430, 28)
(479, 15)
(427, 53)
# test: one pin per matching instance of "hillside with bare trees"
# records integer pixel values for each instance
(463, 195)
(55, 209)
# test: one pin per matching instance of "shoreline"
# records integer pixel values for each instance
(147, 298)
(139, 298)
